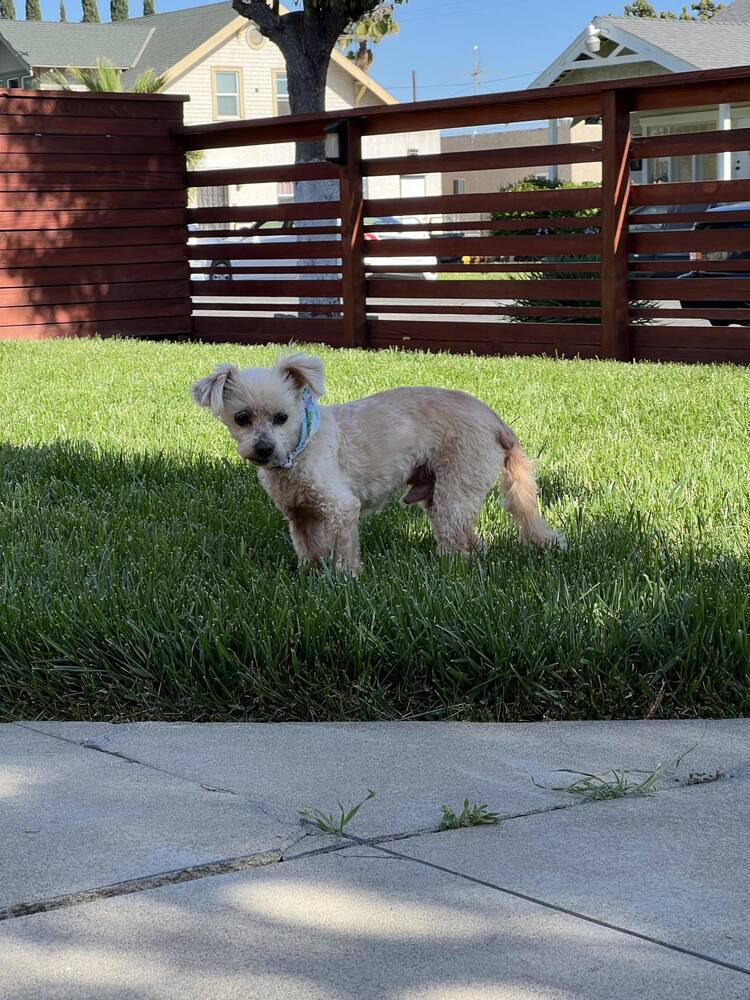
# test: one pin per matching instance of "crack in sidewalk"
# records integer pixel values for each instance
(650, 939)
(93, 743)
(157, 881)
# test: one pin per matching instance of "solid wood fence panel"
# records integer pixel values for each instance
(93, 236)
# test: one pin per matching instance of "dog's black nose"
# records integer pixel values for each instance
(263, 451)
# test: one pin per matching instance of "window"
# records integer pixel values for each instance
(213, 197)
(459, 185)
(281, 92)
(413, 187)
(227, 93)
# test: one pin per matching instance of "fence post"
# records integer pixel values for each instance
(354, 291)
(615, 298)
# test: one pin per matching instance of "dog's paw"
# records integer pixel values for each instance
(557, 540)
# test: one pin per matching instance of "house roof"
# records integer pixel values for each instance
(48, 44)
(738, 11)
(702, 44)
(177, 34)
(677, 46)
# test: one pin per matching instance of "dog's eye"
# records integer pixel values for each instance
(280, 418)
(243, 418)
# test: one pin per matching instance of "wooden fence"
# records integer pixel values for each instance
(92, 216)
(94, 237)
(571, 286)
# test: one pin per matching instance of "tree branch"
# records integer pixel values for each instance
(269, 22)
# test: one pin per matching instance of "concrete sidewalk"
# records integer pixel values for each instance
(162, 860)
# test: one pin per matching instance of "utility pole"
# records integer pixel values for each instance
(476, 72)
(413, 85)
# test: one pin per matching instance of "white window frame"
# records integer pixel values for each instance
(238, 94)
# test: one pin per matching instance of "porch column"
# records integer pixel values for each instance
(553, 140)
(724, 160)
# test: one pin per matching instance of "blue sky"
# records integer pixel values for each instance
(516, 38)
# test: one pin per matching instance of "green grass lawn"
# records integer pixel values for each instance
(146, 575)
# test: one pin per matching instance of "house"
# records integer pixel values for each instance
(228, 70)
(613, 48)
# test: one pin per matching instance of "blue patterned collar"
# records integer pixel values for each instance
(310, 423)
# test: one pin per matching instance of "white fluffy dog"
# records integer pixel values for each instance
(326, 468)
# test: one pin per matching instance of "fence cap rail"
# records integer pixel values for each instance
(90, 95)
(520, 105)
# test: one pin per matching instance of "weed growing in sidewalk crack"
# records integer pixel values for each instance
(329, 822)
(617, 784)
(471, 815)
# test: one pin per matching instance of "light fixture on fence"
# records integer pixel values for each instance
(335, 143)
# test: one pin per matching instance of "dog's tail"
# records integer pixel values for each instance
(521, 493)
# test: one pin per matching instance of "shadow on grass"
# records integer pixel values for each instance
(159, 587)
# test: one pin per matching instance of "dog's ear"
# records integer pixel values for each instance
(209, 391)
(303, 370)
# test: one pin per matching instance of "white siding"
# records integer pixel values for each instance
(258, 67)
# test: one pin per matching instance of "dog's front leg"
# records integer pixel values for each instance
(344, 521)
(310, 538)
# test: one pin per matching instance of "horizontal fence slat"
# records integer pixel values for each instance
(488, 246)
(683, 218)
(581, 333)
(691, 143)
(484, 159)
(54, 124)
(690, 193)
(501, 201)
(92, 295)
(91, 104)
(92, 312)
(83, 145)
(124, 219)
(313, 171)
(232, 289)
(69, 241)
(692, 289)
(561, 288)
(683, 266)
(36, 277)
(303, 249)
(469, 309)
(103, 181)
(731, 313)
(732, 338)
(267, 213)
(690, 239)
(265, 271)
(90, 163)
(66, 262)
(252, 330)
(88, 201)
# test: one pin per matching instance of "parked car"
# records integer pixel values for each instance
(678, 258)
(285, 232)
(698, 256)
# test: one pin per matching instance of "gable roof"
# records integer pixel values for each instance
(677, 46)
(738, 11)
(45, 45)
(702, 44)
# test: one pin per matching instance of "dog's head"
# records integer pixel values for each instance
(262, 407)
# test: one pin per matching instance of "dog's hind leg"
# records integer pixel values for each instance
(457, 498)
